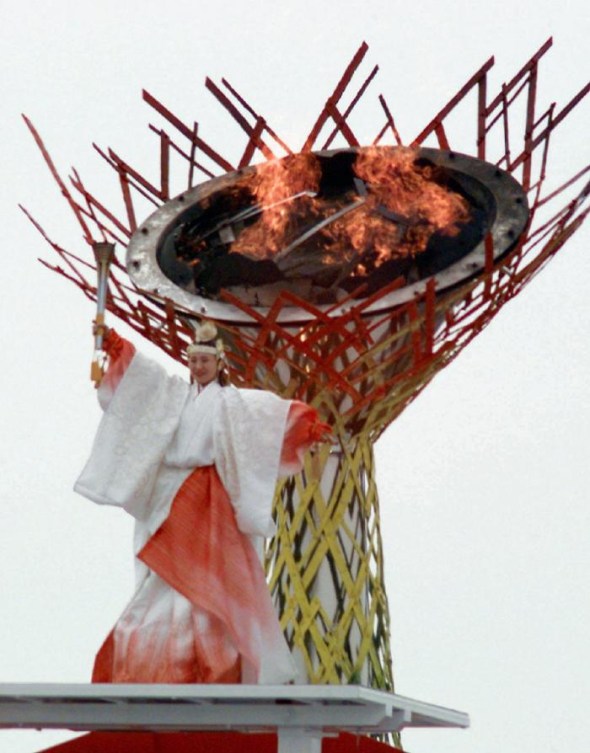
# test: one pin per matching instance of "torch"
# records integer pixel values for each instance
(103, 254)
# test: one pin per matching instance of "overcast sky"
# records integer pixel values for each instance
(483, 480)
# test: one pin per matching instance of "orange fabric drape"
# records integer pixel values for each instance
(200, 552)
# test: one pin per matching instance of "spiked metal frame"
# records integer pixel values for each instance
(359, 371)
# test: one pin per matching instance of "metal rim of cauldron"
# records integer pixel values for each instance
(509, 213)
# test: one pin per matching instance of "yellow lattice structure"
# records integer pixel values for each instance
(326, 569)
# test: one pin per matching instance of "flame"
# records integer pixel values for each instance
(418, 206)
(385, 209)
(273, 185)
(397, 184)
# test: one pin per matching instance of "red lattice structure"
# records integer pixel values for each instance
(359, 364)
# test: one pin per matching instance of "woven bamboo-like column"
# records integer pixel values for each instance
(326, 569)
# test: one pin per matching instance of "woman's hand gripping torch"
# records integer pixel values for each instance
(103, 253)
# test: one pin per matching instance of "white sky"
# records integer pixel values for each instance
(483, 481)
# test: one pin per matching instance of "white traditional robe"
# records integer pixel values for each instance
(155, 431)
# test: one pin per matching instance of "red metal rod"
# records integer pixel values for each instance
(251, 110)
(64, 190)
(77, 184)
(188, 132)
(164, 166)
(461, 94)
(522, 72)
(351, 106)
(190, 159)
(239, 118)
(390, 123)
(253, 143)
(335, 97)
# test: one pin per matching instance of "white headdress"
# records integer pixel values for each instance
(206, 340)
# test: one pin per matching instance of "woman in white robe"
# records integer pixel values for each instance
(196, 466)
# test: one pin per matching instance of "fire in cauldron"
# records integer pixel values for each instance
(328, 226)
(330, 222)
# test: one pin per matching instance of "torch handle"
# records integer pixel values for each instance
(103, 253)
(101, 301)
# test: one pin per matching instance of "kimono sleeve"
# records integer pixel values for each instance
(132, 438)
(248, 436)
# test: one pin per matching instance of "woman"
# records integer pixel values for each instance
(196, 466)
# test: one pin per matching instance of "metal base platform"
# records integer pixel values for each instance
(301, 715)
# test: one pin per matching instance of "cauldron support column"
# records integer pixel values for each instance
(326, 569)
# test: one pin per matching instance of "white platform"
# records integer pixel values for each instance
(300, 714)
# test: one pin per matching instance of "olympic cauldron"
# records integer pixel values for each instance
(338, 278)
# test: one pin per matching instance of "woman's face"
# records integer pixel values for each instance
(202, 367)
